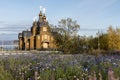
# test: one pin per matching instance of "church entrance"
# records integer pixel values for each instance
(45, 45)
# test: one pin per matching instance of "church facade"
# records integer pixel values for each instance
(39, 37)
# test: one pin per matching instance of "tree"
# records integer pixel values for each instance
(113, 38)
(67, 35)
(69, 26)
(92, 42)
(104, 41)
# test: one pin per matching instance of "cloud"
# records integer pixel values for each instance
(13, 28)
(8, 32)
(1, 22)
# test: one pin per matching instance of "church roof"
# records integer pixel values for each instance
(20, 35)
(40, 24)
(26, 34)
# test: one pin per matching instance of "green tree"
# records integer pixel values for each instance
(69, 26)
(92, 42)
(104, 41)
(67, 35)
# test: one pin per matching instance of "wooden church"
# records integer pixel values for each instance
(39, 37)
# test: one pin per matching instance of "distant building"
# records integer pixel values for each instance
(15, 43)
(39, 37)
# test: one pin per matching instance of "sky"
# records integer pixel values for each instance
(91, 15)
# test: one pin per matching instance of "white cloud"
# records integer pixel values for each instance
(13, 28)
(8, 32)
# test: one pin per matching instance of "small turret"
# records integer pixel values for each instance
(44, 18)
(40, 16)
(33, 28)
(35, 24)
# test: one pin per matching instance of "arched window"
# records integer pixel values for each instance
(45, 45)
(44, 29)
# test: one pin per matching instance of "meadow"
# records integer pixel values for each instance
(52, 66)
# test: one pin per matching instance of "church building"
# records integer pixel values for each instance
(39, 37)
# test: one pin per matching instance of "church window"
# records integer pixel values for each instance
(44, 29)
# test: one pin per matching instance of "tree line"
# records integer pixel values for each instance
(70, 42)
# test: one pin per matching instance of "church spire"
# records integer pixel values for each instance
(44, 17)
(40, 14)
(34, 21)
(34, 26)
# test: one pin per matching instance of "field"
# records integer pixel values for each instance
(52, 66)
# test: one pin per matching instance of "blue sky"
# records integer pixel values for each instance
(17, 15)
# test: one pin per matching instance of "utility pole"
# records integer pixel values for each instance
(98, 34)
